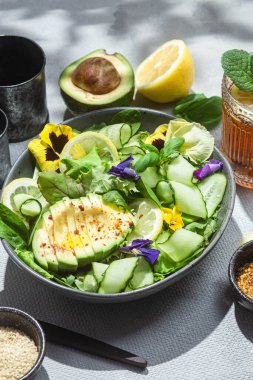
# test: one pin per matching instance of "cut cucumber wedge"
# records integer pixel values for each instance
(99, 271)
(213, 189)
(117, 275)
(181, 244)
(189, 199)
(119, 134)
(143, 275)
(180, 170)
(88, 284)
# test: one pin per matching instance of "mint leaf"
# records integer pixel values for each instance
(144, 162)
(237, 66)
(200, 109)
(149, 147)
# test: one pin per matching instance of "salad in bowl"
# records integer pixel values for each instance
(115, 208)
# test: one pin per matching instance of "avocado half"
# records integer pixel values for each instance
(97, 80)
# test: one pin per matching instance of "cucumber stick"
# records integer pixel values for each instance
(180, 170)
(117, 275)
(181, 244)
(150, 176)
(189, 199)
(213, 189)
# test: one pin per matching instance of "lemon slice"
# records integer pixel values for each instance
(149, 220)
(167, 74)
(83, 143)
(242, 96)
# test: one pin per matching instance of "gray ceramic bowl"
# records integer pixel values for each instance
(150, 120)
(11, 317)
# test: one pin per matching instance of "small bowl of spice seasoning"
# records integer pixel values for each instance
(241, 274)
(22, 345)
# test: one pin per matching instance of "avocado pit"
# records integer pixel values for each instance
(96, 75)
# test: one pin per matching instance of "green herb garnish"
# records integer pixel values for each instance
(238, 66)
(200, 109)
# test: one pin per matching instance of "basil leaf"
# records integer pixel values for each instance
(237, 66)
(171, 148)
(55, 186)
(115, 197)
(147, 192)
(128, 116)
(198, 108)
(11, 236)
(13, 221)
(149, 147)
(144, 162)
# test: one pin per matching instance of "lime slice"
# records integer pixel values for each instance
(21, 187)
(82, 144)
(149, 220)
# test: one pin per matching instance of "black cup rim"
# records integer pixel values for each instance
(42, 53)
(232, 272)
(6, 123)
(40, 334)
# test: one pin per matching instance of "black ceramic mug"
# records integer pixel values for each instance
(22, 86)
(5, 163)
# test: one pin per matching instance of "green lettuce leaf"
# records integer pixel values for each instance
(12, 220)
(114, 197)
(28, 259)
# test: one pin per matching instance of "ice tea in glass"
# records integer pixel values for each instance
(237, 131)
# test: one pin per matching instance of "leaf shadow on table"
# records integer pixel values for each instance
(159, 328)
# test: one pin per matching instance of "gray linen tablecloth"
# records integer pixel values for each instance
(192, 330)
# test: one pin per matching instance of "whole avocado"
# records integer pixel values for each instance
(97, 80)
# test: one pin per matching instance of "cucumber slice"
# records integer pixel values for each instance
(164, 192)
(143, 275)
(181, 244)
(27, 205)
(150, 176)
(213, 189)
(189, 199)
(119, 134)
(117, 275)
(180, 170)
(99, 271)
(127, 150)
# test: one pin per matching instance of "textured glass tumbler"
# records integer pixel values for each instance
(237, 135)
(5, 162)
(22, 86)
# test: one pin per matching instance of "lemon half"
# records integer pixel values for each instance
(167, 74)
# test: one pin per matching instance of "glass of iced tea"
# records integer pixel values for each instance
(237, 131)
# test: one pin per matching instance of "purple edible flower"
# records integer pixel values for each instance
(210, 167)
(124, 171)
(139, 248)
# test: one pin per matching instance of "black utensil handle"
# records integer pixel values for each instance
(81, 342)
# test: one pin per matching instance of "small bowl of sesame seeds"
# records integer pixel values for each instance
(22, 345)
(241, 274)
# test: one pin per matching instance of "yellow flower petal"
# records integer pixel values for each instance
(155, 136)
(162, 129)
(45, 156)
(57, 136)
(173, 218)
